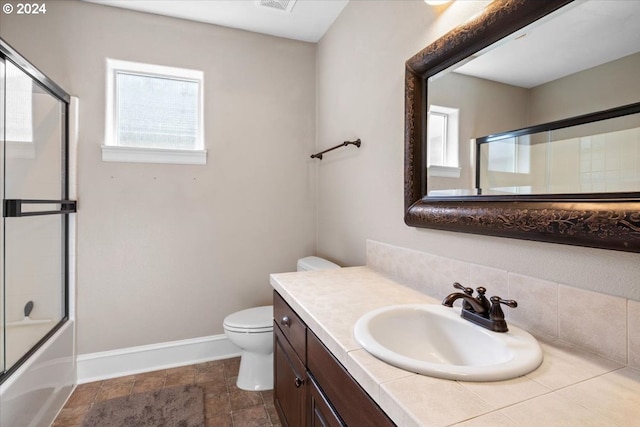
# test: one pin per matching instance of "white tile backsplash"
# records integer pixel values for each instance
(537, 310)
(494, 280)
(430, 274)
(599, 323)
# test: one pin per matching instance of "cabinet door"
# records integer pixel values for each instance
(289, 391)
(353, 404)
(321, 414)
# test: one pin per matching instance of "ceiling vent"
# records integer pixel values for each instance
(281, 5)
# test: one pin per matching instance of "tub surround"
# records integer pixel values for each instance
(33, 395)
(573, 385)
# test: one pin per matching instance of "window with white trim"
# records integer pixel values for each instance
(154, 114)
(442, 141)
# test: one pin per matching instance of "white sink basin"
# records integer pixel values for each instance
(434, 340)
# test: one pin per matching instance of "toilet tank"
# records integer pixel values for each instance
(315, 263)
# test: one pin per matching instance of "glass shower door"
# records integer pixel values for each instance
(34, 227)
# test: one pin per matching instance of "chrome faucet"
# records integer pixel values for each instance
(479, 309)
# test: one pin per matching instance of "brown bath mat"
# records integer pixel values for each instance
(181, 406)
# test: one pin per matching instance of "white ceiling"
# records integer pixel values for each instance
(582, 35)
(307, 21)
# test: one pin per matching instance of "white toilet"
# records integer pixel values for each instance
(252, 331)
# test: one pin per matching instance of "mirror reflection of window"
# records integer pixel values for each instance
(437, 138)
(442, 137)
(18, 109)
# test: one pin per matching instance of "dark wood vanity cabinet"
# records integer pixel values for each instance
(311, 388)
(290, 377)
(321, 414)
(289, 363)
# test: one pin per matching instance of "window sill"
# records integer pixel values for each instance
(444, 171)
(111, 153)
(20, 150)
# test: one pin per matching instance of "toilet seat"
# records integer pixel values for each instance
(251, 320)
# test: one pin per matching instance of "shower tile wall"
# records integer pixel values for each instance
(609, 162)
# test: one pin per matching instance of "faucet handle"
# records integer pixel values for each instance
(482, 299)
(468, 291)
(508, 302)
(495, 312)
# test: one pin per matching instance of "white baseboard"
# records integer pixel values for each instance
(134, 360)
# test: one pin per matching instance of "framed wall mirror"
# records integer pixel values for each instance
(524, 122)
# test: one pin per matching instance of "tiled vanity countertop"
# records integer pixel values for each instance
(572, 387)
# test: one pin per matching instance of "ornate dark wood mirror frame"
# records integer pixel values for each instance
(609, 221)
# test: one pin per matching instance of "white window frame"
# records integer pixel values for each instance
(112, 152)
(451, 168)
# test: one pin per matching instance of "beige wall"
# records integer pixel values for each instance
(166, 251)
(360, 194)
(599, 88)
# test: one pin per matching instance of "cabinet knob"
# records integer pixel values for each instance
(285, 321)
(298, 382)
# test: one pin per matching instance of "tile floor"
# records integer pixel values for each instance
(225, 404)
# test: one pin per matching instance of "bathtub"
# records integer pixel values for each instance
(21, 336)
(34, 394)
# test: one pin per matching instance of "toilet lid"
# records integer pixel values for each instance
(256, 319)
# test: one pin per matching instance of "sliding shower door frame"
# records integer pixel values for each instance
(12, 208)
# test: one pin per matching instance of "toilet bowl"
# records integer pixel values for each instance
(252, 331)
